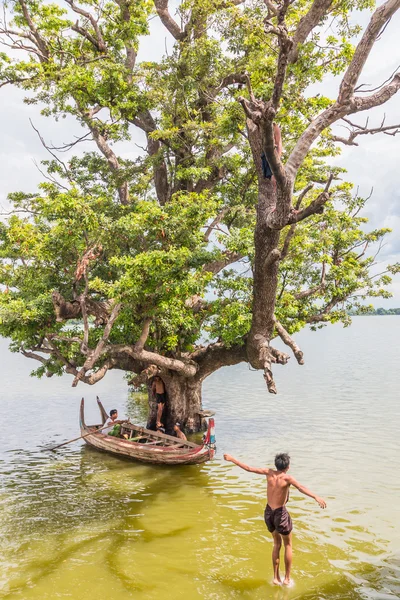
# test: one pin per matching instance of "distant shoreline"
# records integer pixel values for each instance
(379, 312)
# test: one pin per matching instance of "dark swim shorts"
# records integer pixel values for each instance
(161, 398)
(278, 519)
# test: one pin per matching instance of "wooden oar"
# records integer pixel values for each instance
(81, 437)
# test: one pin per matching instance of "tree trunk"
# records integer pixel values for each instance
(183, 404)
(266, 261)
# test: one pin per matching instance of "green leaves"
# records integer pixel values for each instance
(177, 246)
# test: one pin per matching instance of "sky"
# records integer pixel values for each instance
(373, 165)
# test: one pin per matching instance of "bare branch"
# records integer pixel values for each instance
(215, 222)
(315, 207)
(357, 130)
(50, 151)
(67, 147)
(33, 355)
(314, 290)
(346, 104)
(303, 194)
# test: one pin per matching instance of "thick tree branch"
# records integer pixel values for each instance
(146, 123)
(168, 21)
(33, 355)
(215, 356)
(279, 357)
(40, 41)
(99, 36)
(358, 104)
(94, 355)
(188, 369)
(66, 310)
(319, 9)
(105, 149)
(285, 337)
(346, 104)
(378, 20)
(144, 335)
(130, 49)
(229, 257)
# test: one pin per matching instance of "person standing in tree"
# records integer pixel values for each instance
(276, 516)
(158, 389)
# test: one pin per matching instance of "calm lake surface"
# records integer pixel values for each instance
(84, 525)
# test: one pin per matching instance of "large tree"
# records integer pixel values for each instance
(187, 259)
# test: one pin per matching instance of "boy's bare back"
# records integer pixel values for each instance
(277, 488)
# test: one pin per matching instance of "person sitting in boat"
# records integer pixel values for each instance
(158, 389)
(179, 434)
(112, 425)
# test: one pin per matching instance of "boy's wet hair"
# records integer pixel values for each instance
(113, 412)
(282, 461)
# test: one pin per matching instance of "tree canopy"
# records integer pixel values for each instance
(186, 257)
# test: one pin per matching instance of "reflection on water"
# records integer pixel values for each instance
(77, 523)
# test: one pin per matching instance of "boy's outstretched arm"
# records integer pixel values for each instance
(306, 491)
(230, 458)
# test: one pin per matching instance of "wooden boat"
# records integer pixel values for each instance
(148, 446)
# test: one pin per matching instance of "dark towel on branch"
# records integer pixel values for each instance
(265, 167)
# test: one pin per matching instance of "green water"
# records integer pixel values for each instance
(82, 524)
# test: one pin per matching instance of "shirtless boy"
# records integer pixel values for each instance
(276, 516)
(158, 389)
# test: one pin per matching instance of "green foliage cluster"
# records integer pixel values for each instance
(152, 256)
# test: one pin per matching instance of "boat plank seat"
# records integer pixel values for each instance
(155, 434)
